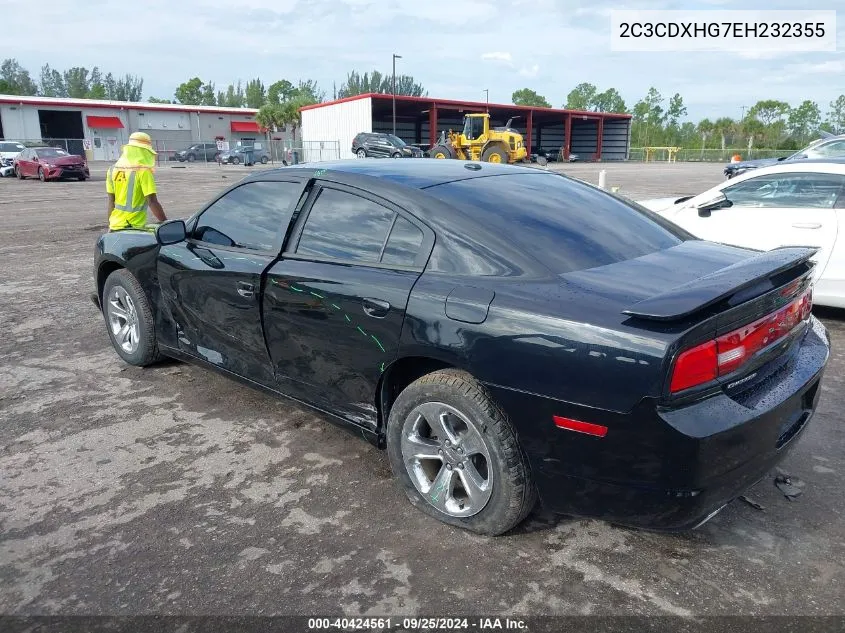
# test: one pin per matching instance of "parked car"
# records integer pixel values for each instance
(50, 163)
(377, 145)
(552, 155)
(206, 152)
(829, 147)
(504, 332)
(798, 203)
(237, 155)
(8, 151)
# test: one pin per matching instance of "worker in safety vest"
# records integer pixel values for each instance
(131, 186)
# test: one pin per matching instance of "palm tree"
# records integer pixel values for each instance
(723, 127)
(705, 128)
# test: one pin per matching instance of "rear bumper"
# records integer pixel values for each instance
(671, 469)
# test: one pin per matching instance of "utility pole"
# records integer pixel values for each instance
(487, 98)
(395, 57)
(743, 109)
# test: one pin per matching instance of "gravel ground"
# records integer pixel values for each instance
(171, 490)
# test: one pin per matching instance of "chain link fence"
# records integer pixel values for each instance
(208, 152)
(704, 155)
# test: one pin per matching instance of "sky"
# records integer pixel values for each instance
(455, 48)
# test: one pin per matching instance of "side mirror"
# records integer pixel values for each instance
(171, 232)
(717, 202)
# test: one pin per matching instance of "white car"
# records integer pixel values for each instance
(795, 204)
(8, 151)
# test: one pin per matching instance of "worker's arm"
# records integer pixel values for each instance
(155, 206)
(110, 195)
(109, 206)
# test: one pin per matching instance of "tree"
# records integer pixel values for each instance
(280, 91)
(767, 111)
(308, 92)
(256, 95)
(357, 84)
(581, 97)
(804, 120)
(705, 128)
(155, 100)
(190, 92)
(96, 89)
(608, 101)
(836, 116)
(676, 109)
(724, 127)
(233, 97)
(126, 88)
(52, 83)
(15, 79)
(77, 82)
(752, 129)
(527, 97)
(208, 96)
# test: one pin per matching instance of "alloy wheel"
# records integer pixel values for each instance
(447, 459)
(123, 320)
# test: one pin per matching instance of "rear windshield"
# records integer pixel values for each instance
(561, 222)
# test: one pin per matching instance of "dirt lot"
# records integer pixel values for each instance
(171, 490)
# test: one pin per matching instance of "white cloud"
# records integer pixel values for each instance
(498, 56)
(834, 66)
(530, 72)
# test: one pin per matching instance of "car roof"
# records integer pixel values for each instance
(822, 165)
(418, 173)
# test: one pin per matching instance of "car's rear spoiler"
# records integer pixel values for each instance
(706, 291)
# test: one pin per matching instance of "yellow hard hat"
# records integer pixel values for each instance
(142, 140)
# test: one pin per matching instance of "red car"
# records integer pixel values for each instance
(50, 163)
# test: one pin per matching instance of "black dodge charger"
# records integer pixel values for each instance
(504, 332)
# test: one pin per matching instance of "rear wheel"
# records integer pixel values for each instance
(264, 160)
(41, 175)
(129, 319)
(396, 155)
(361, 153)
(442, 152)
(236, 160)
(457, 456)
(191, 158)
(495, 154)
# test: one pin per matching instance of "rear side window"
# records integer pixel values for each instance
(254, 216)
(403, 245)
(564, 224)
(345, 226)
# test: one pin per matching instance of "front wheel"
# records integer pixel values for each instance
(456, 454)
(442, 152)
(396, 155)
(236, 161)
(494, 155)
(41, 175)
(361, 153)
(264, 160)
(18, 172)
(129, 319)
(191, 158)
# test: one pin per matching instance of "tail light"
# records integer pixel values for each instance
(727, 353)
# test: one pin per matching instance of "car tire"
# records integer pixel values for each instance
(191, 158)
(443, 152)
(82, 178)
(41, 175)
(236, 161)
(396, 155)
(264, 160)
(18, 173)
(123, 295)
(476, 421)
(361, 153)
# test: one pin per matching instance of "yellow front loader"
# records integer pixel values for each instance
(478, 141)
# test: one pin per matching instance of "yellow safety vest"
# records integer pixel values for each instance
(130, 186)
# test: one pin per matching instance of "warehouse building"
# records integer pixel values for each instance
(420, 120)
(98, 129)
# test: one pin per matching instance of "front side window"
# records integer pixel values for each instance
(254, 216)
(342, 225)
(796, 190)
(834, 148)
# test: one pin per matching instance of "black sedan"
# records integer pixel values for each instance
(504, 332)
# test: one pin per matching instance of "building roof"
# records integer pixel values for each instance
(417, 173)
(122, 105)
(479, 105)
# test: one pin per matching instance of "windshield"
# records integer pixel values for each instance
(818, 141)
(50, 152)
(11, 147)
(396, 141)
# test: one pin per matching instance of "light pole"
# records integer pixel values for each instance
(395, 57)
(487, 98)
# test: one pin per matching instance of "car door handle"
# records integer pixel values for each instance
(246, 289)
(376, 307)
(806, 225)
